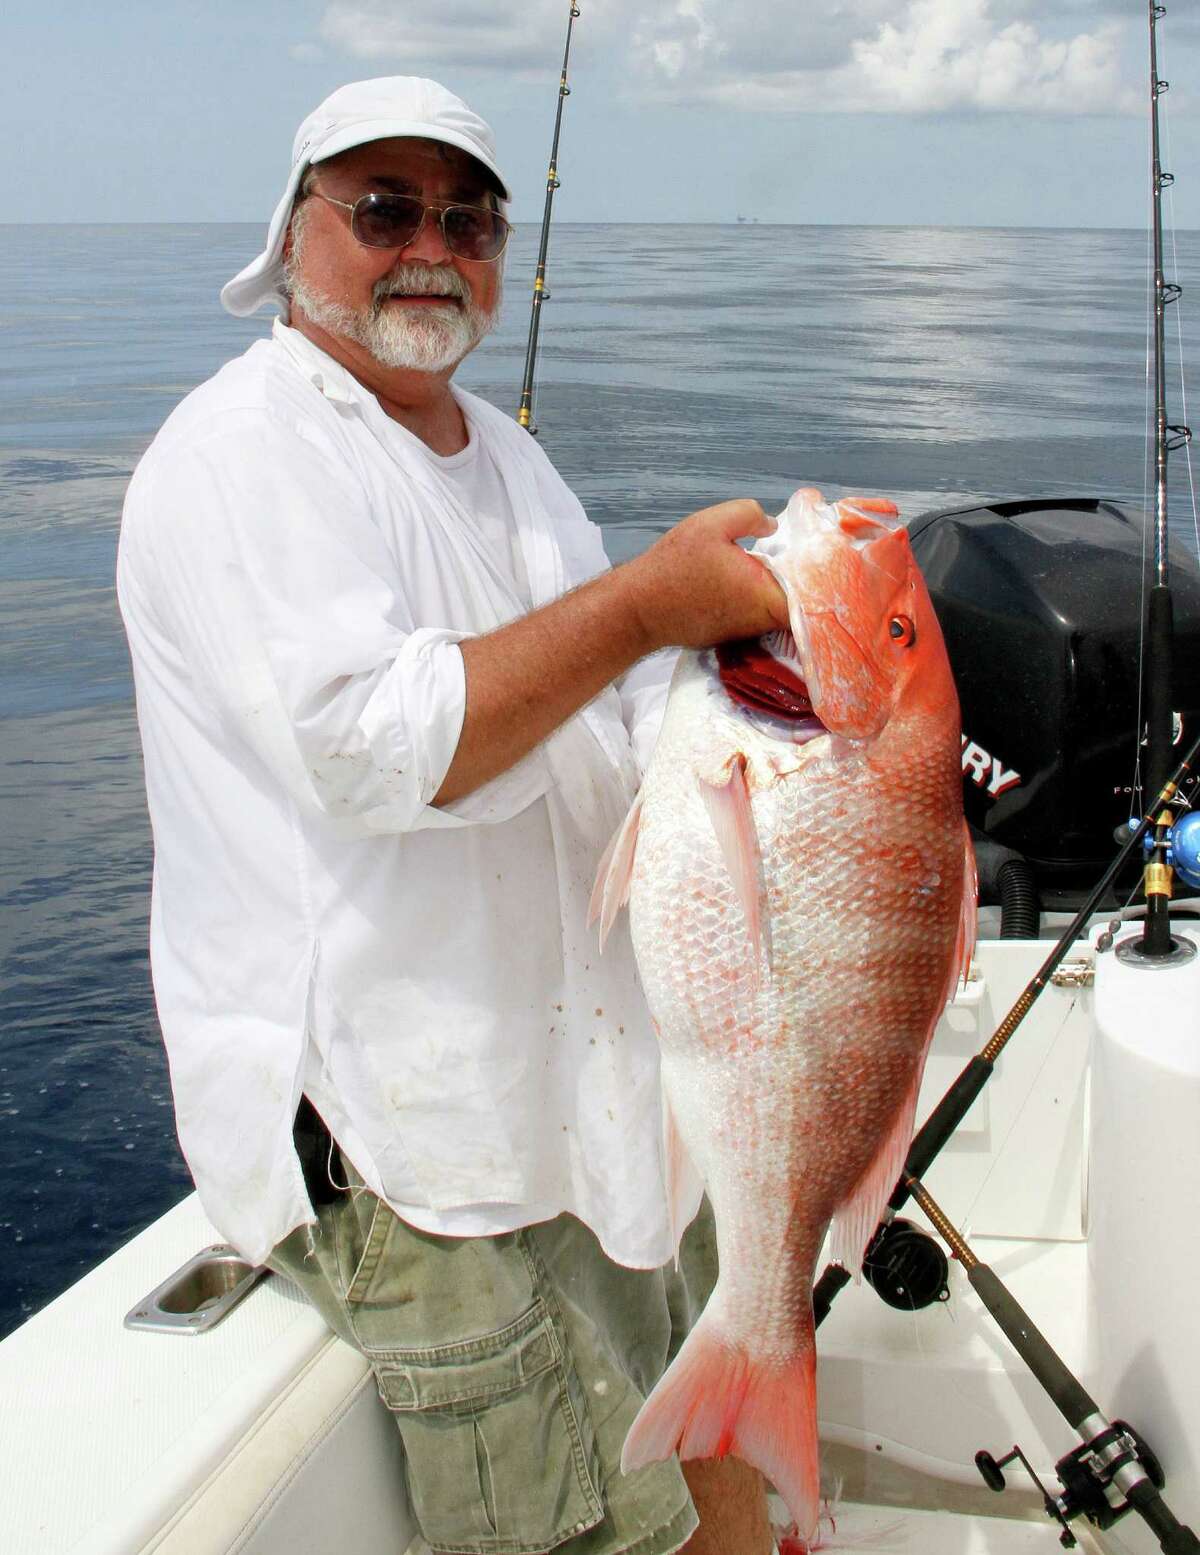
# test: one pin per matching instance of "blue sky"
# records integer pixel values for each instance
(948, 112)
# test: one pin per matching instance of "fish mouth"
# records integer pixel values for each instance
(764, 675)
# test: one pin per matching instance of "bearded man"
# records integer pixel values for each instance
(392, 704)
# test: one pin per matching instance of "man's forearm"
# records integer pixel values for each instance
(693, 587)
(527, 678)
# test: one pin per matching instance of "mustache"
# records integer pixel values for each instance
(415, 280)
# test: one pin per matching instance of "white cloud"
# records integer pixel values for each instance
(466, 34)
(953, 54)
(685, 40)
(887, 56)
(306, 53)
(915, 56)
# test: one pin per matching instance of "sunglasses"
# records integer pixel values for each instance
(394, 220)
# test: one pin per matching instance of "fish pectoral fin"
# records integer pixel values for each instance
(729, 809)
(611, 891)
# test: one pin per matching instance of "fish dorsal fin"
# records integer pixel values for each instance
(858, 526)
(728, 806)
(611, 891)
(867, 518)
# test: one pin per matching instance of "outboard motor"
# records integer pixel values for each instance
(1041, 605)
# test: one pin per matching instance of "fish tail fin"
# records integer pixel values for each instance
(715, 1400)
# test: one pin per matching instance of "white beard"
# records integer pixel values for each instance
(430, 342)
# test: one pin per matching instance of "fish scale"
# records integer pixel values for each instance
(797, 905)
(846, 987)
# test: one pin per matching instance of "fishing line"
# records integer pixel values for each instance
(965, 1217)
(1187, 447)
(948, 1311)
(986, 1415)
(1136, 799)
(987, 1420)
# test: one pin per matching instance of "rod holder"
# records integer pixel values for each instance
(199, 1295)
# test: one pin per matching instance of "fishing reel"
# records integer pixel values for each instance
(1183, 847)
(1180, 833)
(1088, 1477)
(906, 1267)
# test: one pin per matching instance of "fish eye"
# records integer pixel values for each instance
(902, 631)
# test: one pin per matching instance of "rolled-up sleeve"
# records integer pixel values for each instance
(253, 558)
(642, 689)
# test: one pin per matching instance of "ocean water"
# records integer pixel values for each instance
(679, 366)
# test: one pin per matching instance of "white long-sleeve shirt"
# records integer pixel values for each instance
(295, 573)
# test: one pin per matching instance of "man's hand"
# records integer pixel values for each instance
(696, 586)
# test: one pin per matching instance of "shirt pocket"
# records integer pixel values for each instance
(501, 1452)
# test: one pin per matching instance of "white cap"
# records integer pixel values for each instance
(353, 115)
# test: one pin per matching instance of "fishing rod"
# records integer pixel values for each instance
(956, 1103)
(1157, 943)
(540, 294)
(1113, 1471)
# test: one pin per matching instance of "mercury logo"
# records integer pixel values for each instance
(987, 771)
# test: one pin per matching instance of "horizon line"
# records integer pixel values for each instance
(883, 226)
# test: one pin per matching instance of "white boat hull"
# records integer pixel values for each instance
(267, 1437)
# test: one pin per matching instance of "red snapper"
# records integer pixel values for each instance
(802, 900)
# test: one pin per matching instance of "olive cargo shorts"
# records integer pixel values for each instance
(513, 1365)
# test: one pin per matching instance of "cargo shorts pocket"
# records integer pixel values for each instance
(500, 1448)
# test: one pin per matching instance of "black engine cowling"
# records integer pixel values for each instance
(1041, 604)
